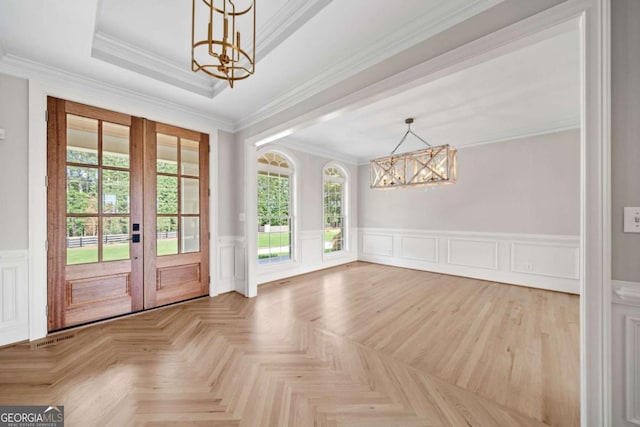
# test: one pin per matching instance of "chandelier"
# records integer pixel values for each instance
(216, 46)
(421, 168)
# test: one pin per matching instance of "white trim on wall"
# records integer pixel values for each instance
(632, 368)
(14, 298)
(486, 256)
(625, 354)
(311, 257)
(626, 293)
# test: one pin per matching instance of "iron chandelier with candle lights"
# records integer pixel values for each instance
(219, 38)
(421, 168)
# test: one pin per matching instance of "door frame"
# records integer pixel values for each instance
(42, 85)
(595, 179)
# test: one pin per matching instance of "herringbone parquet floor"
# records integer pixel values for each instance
(356, 345)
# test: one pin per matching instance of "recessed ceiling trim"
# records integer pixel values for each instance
(316, 150)
(420, 29)
(514, 135)
(293, 15)
(26, 68)
(110, 49)
(278, 28)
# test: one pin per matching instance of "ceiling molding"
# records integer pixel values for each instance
(112, 50)
(293, 15)
(315, 150)
(278, 28)
(29, 69)
(420, 29)
(508, 39)
(559, 126)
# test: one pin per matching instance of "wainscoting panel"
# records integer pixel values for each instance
(377, 244)
(311, 247)
(419, 248)
(632, 363)
(473, 253)
(227, 259)
(540, 261)
(625, 356)
(553, 260)
(14, 293)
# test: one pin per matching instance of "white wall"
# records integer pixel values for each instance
(512, 217)
(13, 163)
(529, 185)
(625, 145)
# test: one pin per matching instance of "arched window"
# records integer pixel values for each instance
(334, 183)
(275, 228)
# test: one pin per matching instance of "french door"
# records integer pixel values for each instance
(127, 225)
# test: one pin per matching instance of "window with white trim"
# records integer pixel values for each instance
(334, 182)
(275, 228)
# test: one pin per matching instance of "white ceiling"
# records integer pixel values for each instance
(531, 90)
(143, 47)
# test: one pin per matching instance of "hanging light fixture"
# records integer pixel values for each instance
(217, 47)
(427, 167)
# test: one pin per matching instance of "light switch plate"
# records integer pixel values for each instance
(2, 134)
(632, 220)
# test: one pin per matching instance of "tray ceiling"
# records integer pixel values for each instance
(143, 47)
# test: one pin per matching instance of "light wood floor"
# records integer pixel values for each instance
(357, 345)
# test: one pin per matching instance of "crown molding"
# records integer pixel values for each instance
(315, 150)
(287, 20)
(555, 127)
(29, 69)
(418, 30)
(113, 50)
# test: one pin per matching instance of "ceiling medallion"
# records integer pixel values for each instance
(421, 168)
(216, 47)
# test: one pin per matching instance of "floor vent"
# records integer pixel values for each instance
(46, 342)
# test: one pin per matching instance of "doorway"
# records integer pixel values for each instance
(127, 214)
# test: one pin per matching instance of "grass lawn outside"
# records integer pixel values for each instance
(115, 251)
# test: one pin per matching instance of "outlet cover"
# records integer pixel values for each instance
(632, 220)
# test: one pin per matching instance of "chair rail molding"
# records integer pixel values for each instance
(627, 293)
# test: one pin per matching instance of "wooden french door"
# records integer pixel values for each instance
(127, 220)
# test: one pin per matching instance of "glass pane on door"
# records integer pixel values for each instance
(167, 152)
(82, 140)
(115, 145)
(82, 240)
(115, 239)
(167, 236)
